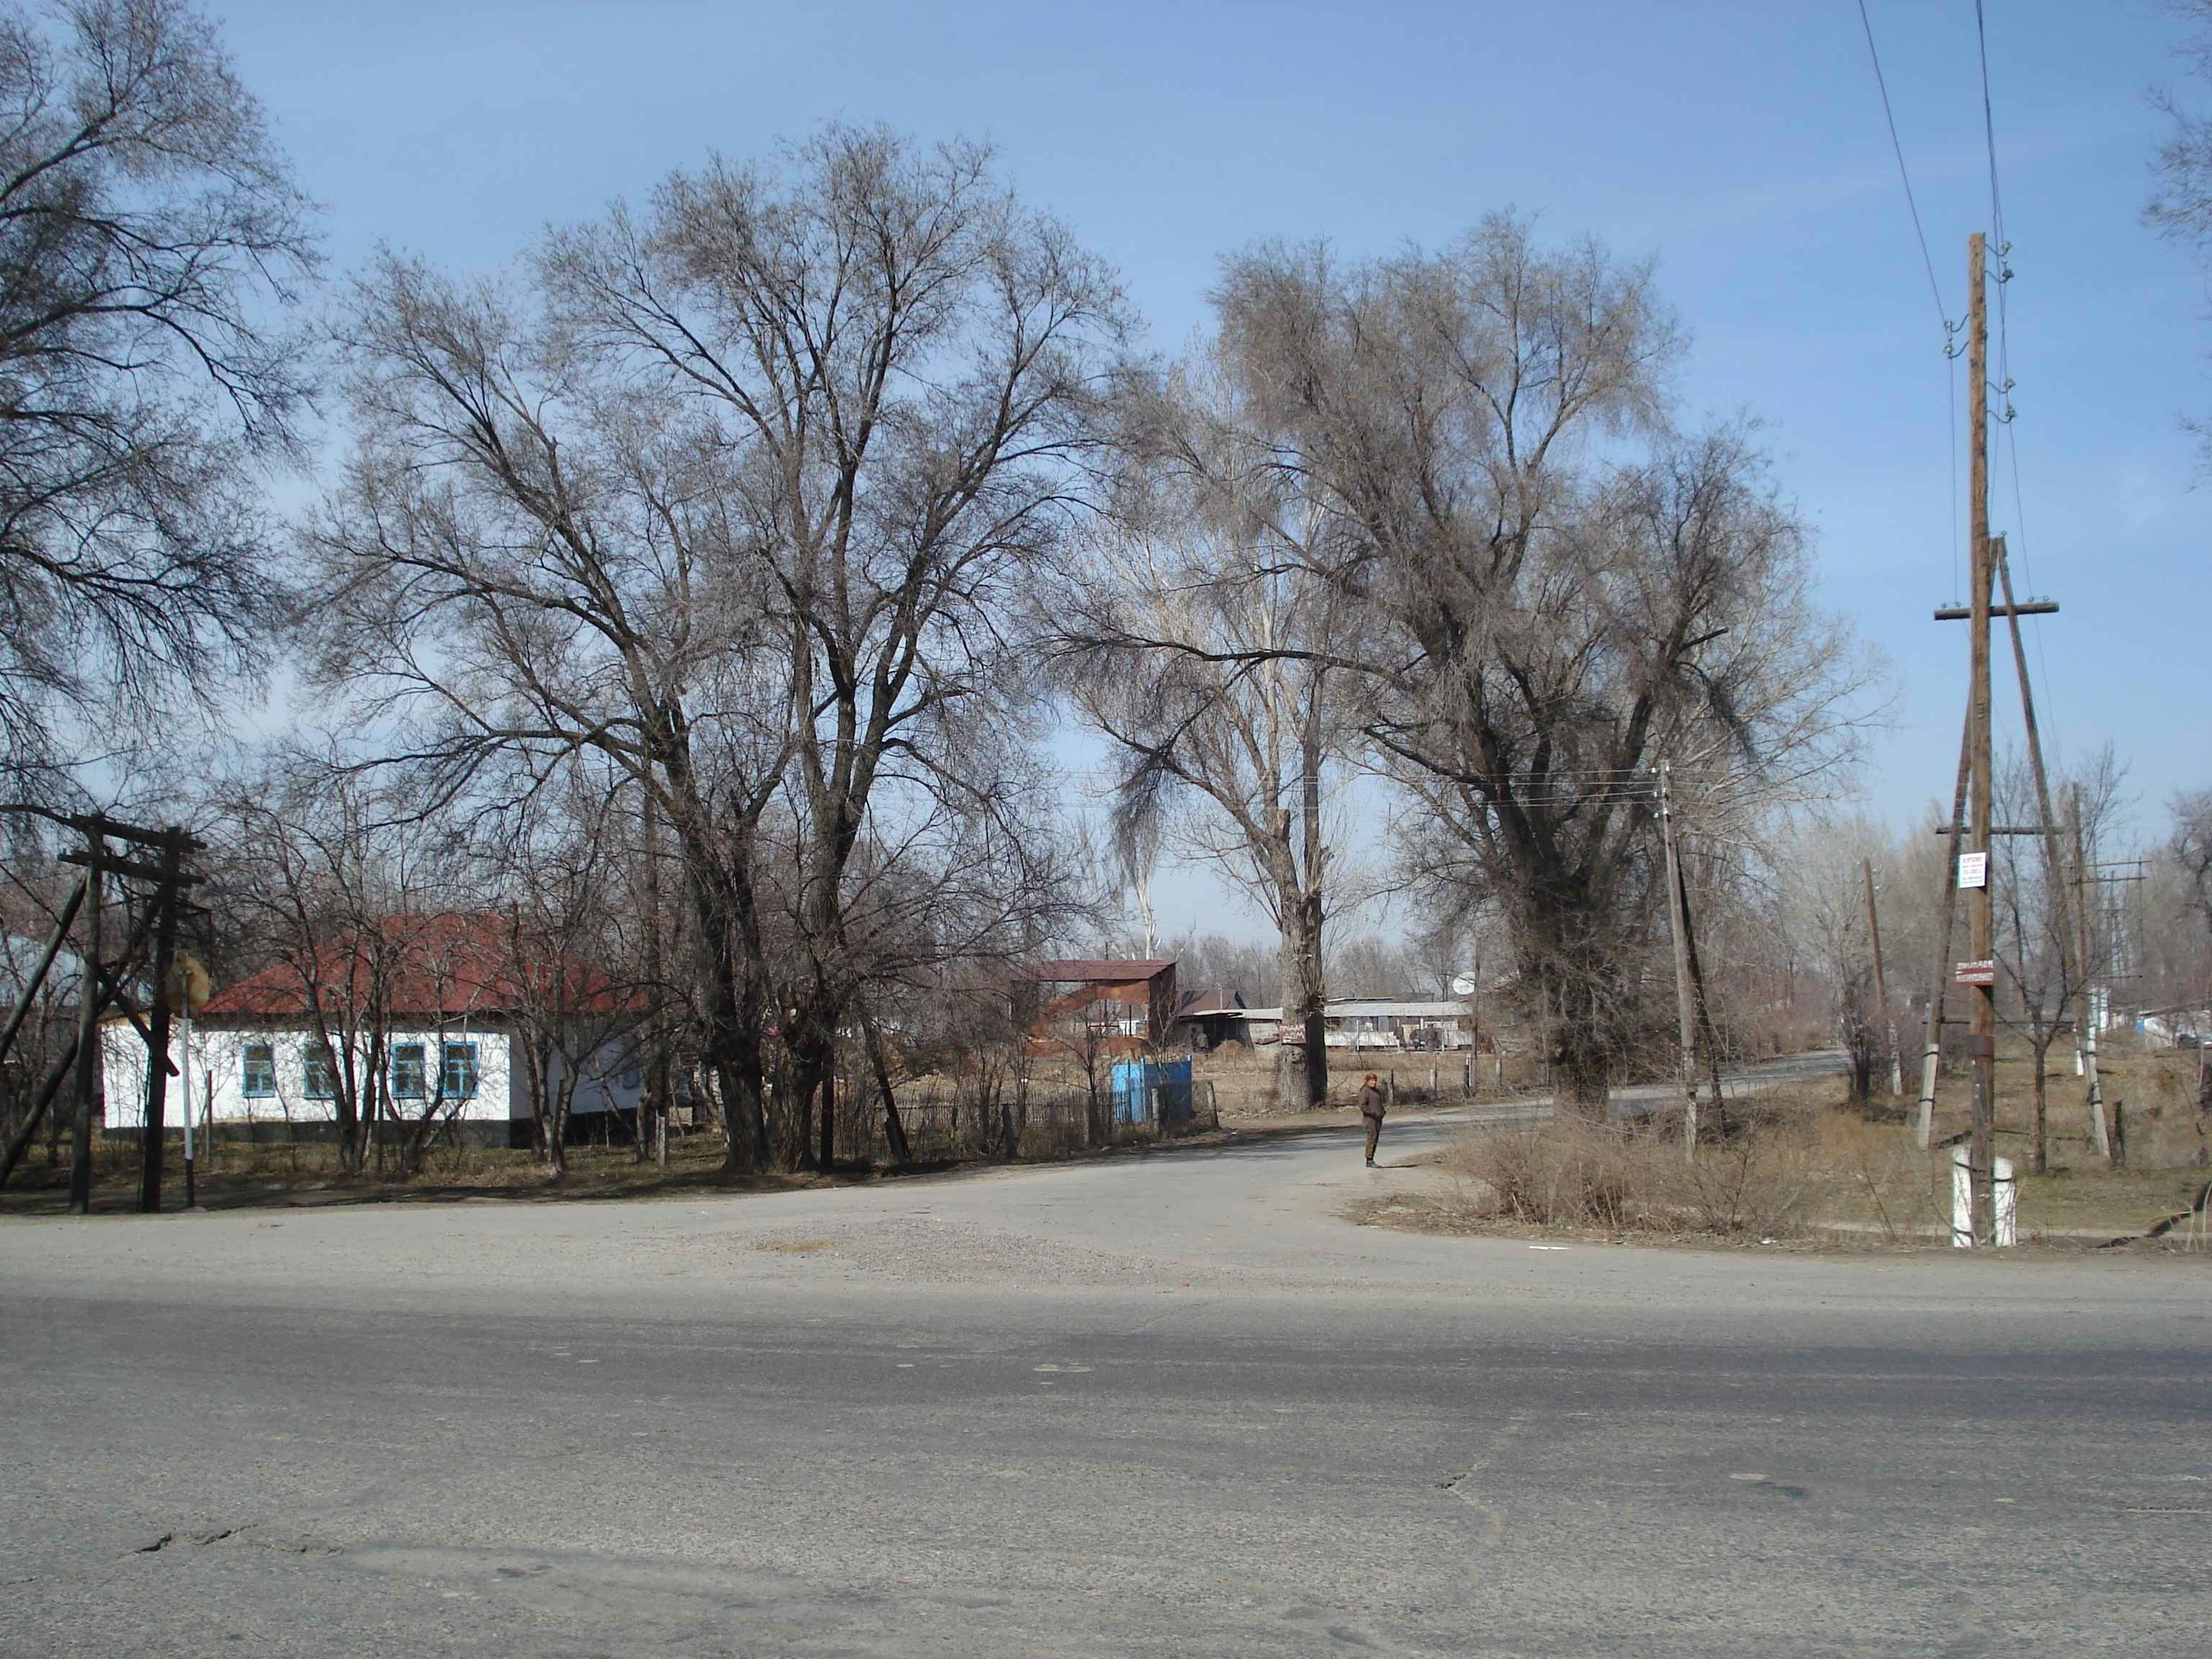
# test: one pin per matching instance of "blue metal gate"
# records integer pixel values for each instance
(1152, 1092)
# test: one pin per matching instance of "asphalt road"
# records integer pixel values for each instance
(1170, 1405)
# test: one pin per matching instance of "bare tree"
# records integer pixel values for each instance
(339, 896)
(2179, 917)
(2181, 207)
(1557, 587)
(1820, 871)
(150, 239)
(1197, 640)
(2047, 962)
(2188, 855)
(737, 496)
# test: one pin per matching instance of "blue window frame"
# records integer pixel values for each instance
(460, 1073)
(409, 1080)
(319, 1077)
(257, 1071)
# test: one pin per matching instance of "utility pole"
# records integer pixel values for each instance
(1881, 984)
(88, 1032)
(1677, 923)
(153, 1125)
(1981, 1042)
(1931, 1053)
(653, 1101)
(1970, 828)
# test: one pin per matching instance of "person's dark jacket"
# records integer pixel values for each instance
(1370, 1101)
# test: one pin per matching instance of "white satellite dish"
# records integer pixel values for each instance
(1463, 985)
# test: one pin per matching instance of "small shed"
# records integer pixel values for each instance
(1105, 1004)
(1209, 1018)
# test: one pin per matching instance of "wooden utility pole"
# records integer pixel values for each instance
(1677, 924)
(168, 900)
(1881, 984)
(1981, 1042)
(1931, 1053)
(88, 1028)
(653, 1101)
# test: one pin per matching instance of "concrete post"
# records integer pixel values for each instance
(2005, 1190)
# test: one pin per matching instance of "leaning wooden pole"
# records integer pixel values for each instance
(1703, 1004)
(64, 1065)
(2054, 867)
(1684, 1007)
(1882, 983)
(38, 979)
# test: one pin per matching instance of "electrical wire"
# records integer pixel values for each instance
(2004, 383)
(1928, 265)
(1990, 130)
(1911, 202)
(1999, 243)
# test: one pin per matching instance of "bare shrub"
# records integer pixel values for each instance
(1578, 1173)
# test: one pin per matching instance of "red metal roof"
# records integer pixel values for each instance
(426, 966)
(1100, 970)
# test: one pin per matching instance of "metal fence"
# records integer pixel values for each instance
(944, 1124)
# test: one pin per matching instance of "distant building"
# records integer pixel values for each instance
(1380, 1024)
(1102, 1006)
(1210, 1018)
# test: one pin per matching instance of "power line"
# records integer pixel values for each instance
(1997, 239)
(1913, 205)
(2004, 346)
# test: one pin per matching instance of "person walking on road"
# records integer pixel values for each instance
(1370, 1108)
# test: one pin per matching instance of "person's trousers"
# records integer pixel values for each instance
(1374, 1130)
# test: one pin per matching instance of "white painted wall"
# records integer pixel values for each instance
(218, 1060)
(219, 1066)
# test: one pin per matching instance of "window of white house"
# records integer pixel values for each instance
(258, 1074)
(408, 1076)
(460, 1078)
(319, 1077)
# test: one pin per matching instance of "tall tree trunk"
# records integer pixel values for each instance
(893, 1128)
(2039, 1143)
(1314, 985)
(1581, 1044)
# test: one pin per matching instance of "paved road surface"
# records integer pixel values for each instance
(1163, 1405)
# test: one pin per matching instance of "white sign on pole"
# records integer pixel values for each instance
(1974, 870)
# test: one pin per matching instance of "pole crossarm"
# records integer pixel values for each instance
(2025, 608)
(2004, 830)
(98, 823)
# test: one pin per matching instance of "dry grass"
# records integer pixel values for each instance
(1577, 1174)
(1803, 1166)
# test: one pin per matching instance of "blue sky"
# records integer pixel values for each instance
(1740, 145)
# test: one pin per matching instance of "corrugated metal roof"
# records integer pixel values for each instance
(1379, 1007)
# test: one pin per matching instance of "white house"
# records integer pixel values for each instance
(454, 1007)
